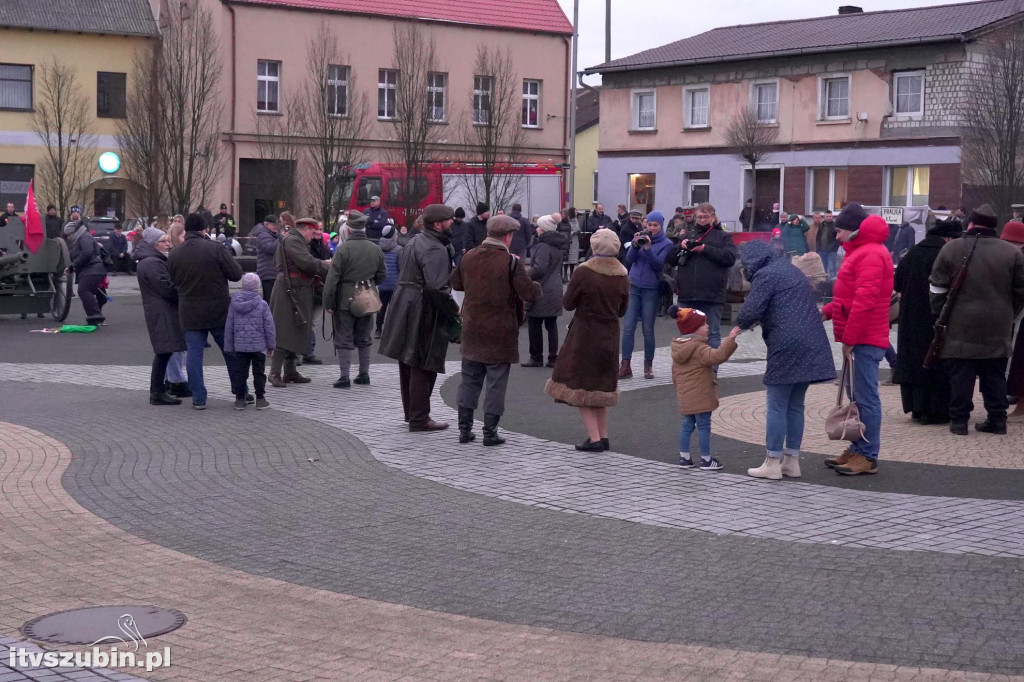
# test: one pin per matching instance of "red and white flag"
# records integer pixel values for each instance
(33, 223)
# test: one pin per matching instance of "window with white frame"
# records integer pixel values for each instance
(908, 93)
(337, 90)
(698, 187)
(387, 94)
(16, 86)
(696, 107)
(909, 186)
(828, 188)
(437, 85)
(835, 97)
(644, 109)
(531, 104)
(268, 86)
(766, 101)
(483, 88)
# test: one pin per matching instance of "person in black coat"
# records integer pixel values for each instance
(160, 306)
(119, 249)
(521, 239)
(53, 222)
(702, 269)
(925, 392)
(87, 264)
(475, 231)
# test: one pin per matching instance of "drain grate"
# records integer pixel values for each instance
(112, 624)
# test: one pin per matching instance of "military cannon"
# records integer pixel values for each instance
(33, 282)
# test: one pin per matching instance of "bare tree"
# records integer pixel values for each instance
(993, 121)
(751, 140)
(63, 123)
(494, 133)
(416, 133)
(188, 74)
(140, 136)
(333, 118)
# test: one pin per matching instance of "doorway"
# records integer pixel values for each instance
(766, 193)
(265, 186)
(108, 203)
(641, 192)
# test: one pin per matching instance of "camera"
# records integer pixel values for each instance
(643, 238)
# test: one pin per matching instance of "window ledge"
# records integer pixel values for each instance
(833, 121)
(696, 129)
(643, 131)
(907, 117)
(531, 127)
(18, 109)
(433, 123)
(387, 120)
(268, 113)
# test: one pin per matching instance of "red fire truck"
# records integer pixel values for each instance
(538, 187)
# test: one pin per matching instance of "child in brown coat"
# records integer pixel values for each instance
(693, 363)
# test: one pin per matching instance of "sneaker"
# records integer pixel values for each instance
(262, 404)
(710, 464)
(198, 406)
(858, 464)
(685, 462)
(240, 403)
(249, 399)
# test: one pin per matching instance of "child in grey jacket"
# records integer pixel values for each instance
(250, 334)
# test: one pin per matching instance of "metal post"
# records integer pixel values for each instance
(572, 100)
(608, 31)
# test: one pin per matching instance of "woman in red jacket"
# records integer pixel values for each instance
(860, 321)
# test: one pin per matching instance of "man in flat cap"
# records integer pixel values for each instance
(496, 283)
(422, 317)
(980, 328)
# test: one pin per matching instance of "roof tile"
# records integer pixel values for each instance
(543, 16)
(118, 17)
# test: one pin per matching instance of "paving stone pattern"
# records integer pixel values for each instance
(247, 498)
(552, 476)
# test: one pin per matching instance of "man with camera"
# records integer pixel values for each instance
(702, 269)
(645, 260)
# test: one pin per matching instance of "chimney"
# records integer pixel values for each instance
(850, 9)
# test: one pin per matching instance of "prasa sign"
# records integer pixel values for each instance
(892, 214)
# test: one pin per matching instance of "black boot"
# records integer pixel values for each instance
(491, 430)
(958, 428)
(466, 425)
(163, 399)
(180, 389)
(993, 425)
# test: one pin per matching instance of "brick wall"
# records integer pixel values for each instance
(864, 185)
(944, 189)
(794, 189)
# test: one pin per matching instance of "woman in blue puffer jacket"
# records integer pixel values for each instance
(645, 259)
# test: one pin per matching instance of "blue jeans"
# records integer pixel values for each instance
(176, 368)
(643, 307)
(865, 383)
(702, 423)
(784, 427)
(714, 313)
(828, 260)
(890, 356)
(195, 341)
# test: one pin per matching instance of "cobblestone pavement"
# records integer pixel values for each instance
(551, 476)
(307, 537)
(743, 417)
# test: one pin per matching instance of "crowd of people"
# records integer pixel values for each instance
(506, 271)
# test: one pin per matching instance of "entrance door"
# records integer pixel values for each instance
(767, 192)
(108, 203)
(265, 186)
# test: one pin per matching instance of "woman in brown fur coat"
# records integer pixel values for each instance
(586, 371)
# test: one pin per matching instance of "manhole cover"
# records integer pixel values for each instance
(112, 624)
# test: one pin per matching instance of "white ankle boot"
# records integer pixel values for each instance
(771, 469)
(791, 465)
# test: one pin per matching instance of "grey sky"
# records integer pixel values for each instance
(638, 25)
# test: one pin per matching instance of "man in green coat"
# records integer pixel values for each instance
(291, 301)
(357, 260)
(418, 326)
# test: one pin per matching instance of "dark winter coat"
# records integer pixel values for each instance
(595, 222)
(981, 325)
(250, 325)
(474, 233)
(794, 237)
(586, 371)
(159, 300)
(917, 322)
(201, 269)
(859, 309)
(782, 301)
(492, 278)
(460, 235)
(905, 237)
(357, 260)
(826, 241)
(376, 220)
(118, 245)
(415, 330)
(703, 276)
(521, 239)
(546, 268)
(294, 319)
(392, 259)
(647, 263)
(266, 246)
(85, 254)
(53, 226)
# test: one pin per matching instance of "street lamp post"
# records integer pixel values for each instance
(572, 105)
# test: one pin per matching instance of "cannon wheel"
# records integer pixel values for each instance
(60, 304)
